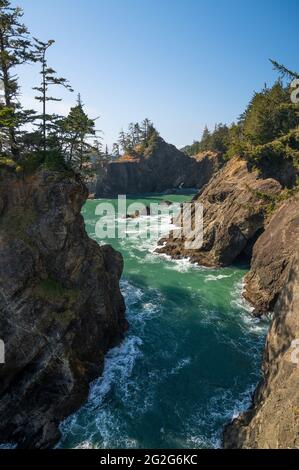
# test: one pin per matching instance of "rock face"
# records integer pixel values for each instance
(60, 306)
(271, 257)
(273, 420)
(237, 207)
(235, 204)
(162, 168)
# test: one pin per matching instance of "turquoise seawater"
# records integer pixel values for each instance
(189, 361)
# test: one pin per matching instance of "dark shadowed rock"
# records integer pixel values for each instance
(271, 257)
(162, 168)
(60, 306)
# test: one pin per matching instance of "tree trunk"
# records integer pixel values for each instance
(44, 104)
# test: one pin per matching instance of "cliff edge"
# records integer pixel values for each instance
(273, 420)
(272, 254)
(60, 305)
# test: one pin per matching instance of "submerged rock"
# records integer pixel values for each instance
(60, 306)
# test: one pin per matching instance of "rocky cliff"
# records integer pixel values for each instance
(244, 213)
(271, 257)
(60, 305)
(160, 168)
(273, 420)
(235, 205)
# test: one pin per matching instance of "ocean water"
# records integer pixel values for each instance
(189, 362)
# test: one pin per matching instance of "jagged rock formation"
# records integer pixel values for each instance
(238, 203)
(273, 420)
(271, 257)
(160, 168)
(235, 204)
(60, 305)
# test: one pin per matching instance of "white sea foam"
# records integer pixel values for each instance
(255, 325)
(180, 365)
(238, 299)
(119, 364)
(220, 409)
(135, 372)
(213, 277)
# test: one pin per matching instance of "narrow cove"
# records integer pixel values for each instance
(189, 362)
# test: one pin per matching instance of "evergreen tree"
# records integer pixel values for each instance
(116, 151)
(49, 78)
(205, 139)
(15, 50)
(123, 141)
(78, 128)
(270, 114)
(145, 127)
(284, 71)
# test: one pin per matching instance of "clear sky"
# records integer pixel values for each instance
(182, 63)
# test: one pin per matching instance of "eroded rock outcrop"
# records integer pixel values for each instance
(272, 254)
(273, 420)
(162, 167)
(60, 306)
(235, 204)
(243, 215)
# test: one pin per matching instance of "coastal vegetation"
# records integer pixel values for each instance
(30, 140)
(267, 131)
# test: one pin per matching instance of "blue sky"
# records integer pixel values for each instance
(182, 63)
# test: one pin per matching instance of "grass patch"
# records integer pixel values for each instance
(51, 290)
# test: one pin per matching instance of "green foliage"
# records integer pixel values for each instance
(215, 141)
(50, 160)
(139, 138)
(284, 71)
(77, 129)
(266, 134)
(49, 79)
(31, 162)
(7, 163)
(270, 115)
(15, 50)
(54, 161)
(283, 148)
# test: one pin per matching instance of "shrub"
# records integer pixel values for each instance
(54, 160)
(32, 162)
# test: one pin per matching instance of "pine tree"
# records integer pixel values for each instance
(123, 141)
(115, 151)
(49, 78)
(15, 50)
(269, 115)
(205, 139)
(145, 128)
(284, 71)
(78, 128)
